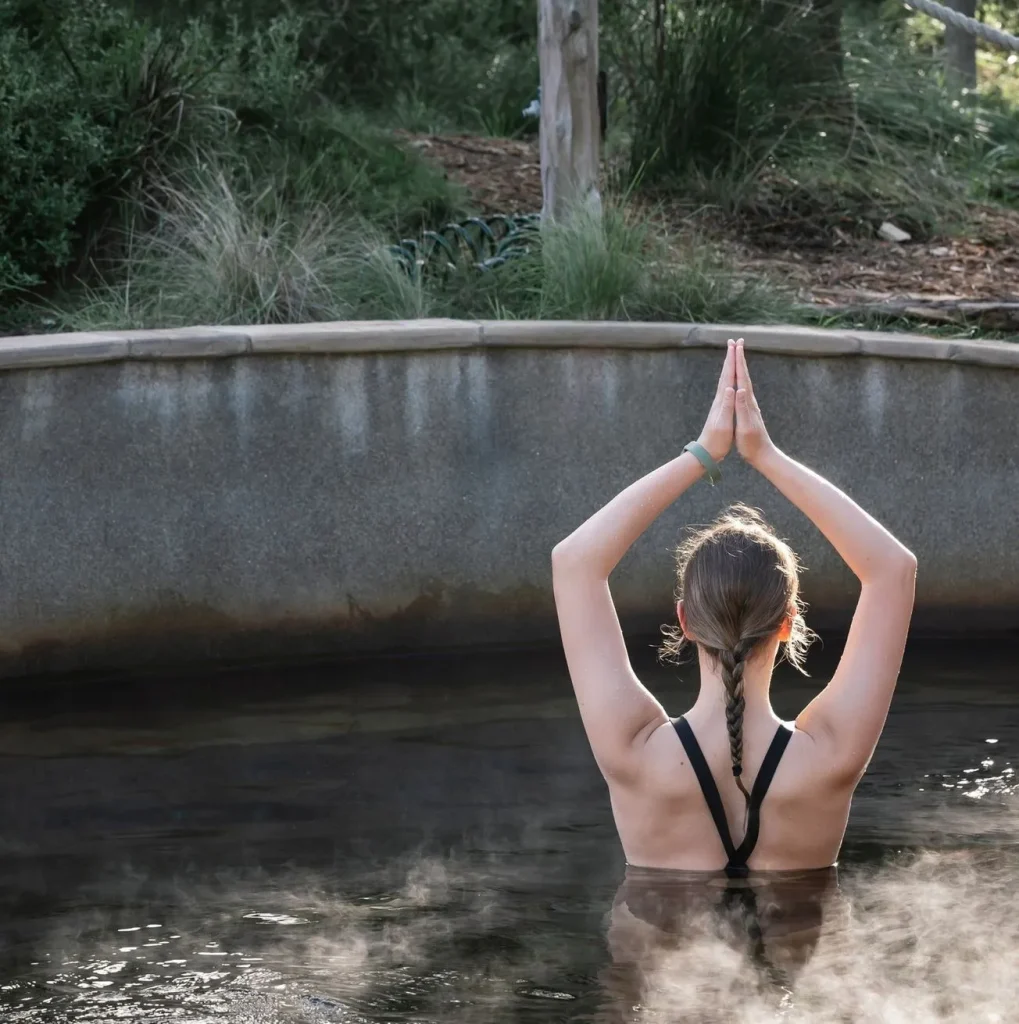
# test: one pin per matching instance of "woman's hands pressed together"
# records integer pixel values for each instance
(717, 434)
(735, 412)
(752, 440)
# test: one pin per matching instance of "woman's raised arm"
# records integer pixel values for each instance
(849, 714)
(617, 710)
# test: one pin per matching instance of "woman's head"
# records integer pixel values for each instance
(739, 592)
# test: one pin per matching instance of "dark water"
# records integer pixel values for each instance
(423, 840)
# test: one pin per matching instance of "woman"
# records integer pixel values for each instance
(689, 794)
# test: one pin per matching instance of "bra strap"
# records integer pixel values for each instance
(707, 783)
(760, 791)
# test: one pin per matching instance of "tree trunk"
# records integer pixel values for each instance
(961, 48)
(570, 122)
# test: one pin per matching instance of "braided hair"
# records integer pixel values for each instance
(732, 662)
(739, 583)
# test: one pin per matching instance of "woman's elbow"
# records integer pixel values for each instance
(900, 568)
(570, 557)
(894, 568)
(562, 554)
(908, 562)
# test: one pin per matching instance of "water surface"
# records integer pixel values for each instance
(428, 840)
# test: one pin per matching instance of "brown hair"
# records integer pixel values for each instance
(738, 583)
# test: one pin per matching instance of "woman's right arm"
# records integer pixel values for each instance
(848, 715)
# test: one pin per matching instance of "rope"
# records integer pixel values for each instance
(975, 28)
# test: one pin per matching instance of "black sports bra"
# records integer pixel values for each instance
(738, 855)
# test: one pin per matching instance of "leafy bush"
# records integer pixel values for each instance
(433, 62)
(98, 109)
(337, 154)
(621, 267)
(216, 256)
(50, 151)
(90, 104)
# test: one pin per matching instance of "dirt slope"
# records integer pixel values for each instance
(504, 176)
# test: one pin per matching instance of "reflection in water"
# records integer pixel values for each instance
(929, 939)
(418, 850)
(772, 921)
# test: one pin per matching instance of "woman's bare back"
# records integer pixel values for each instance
(664, 821)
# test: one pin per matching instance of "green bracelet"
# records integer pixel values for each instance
(703, 456)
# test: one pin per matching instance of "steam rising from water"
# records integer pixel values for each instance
(925, 939)
(928, 940)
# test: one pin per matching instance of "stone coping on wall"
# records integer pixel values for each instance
(376, 336)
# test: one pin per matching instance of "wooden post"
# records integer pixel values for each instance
(961, 48)
(570, 121)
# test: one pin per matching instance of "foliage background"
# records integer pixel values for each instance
(148, 148)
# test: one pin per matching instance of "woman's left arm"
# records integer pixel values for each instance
(618, 712)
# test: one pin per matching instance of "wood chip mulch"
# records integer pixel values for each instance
(501, 175)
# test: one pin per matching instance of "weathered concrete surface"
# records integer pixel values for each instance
(366, 337)
(313, 503)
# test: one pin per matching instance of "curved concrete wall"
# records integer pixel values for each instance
(318, 488)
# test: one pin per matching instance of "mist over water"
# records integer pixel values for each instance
(432, 843)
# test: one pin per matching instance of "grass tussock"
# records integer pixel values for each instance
(205, 252)
(216, 255)
(800, 126)
(620, 267)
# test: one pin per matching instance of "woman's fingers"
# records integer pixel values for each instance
(746, 404)
(751, 394)
(742, 408)
(742, 370)
(727, 377)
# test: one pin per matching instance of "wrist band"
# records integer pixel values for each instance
(703, 456)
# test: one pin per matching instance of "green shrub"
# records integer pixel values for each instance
(49, 153)
(90, 105)
(481, 90)
(98, 109)
(711, 86)
(430, 62)
(217, 247)
(339, 154)
(621, 267)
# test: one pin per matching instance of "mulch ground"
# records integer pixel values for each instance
(501, 175)
(980, 262)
